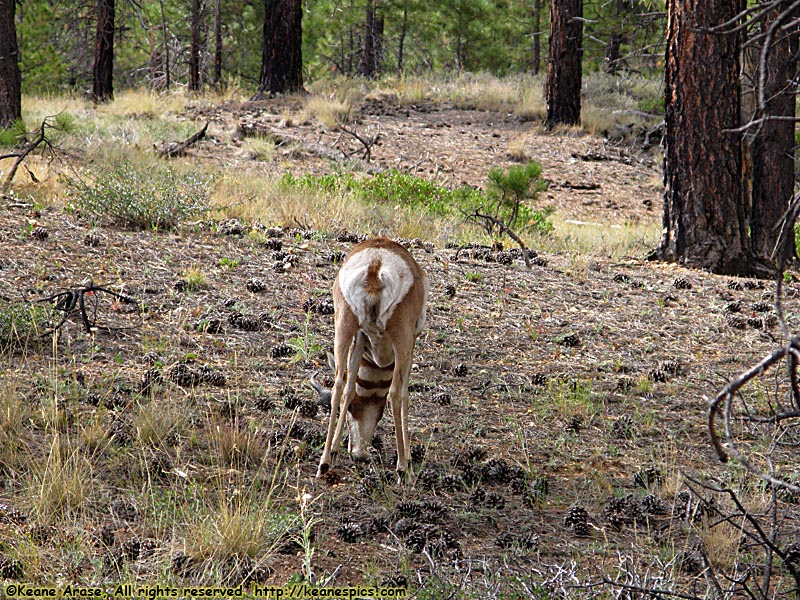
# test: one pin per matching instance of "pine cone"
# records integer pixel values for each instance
(681, 283)
(578, 519)
(281, 351)
(761, 306)
(649, 476)
(256, 285)
(264, 403)
(623, 428)
(349, 532)
(92, 239)
(40, 232)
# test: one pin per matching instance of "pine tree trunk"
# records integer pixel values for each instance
(166, 46)
(217, 44)
(612, 53)
(194, 48)
(366, 66)
(401, 42)
(282, 52)
(537, 36)
(772, 149)
(103, 80)
(10, 82)
(704, 220)
(563, 86)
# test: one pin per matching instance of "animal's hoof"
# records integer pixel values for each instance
(323, 468)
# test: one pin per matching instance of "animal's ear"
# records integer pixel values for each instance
(331, 361)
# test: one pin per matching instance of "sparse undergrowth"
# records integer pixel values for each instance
(556, 412)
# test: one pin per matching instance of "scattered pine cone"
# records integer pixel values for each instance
(349, 532)
(92, 239)
(281, 351)
(621, 278)
(736, 321)
(468, 454)
(180, 285)
(264, 403)
(184, 376)
(212, 377)
(733, 307)
(40, 232)
(538, 379)
(574, 425)
(497, 470)
(653, 505)
(308, 409)
(495, 500)
(417, 453)
(442, 399)
(735, 284)
(539, 261)
(336, 256)
(11, 568)
(681, 283)
(578, 519)
(256, 285)
(647, 477)
(272, 244)
(450, 290)
(9, 514)
(322, 306)
(231, 227)
(624, 428)
(460, 370)
(658, 376)
(571, 340)
(428, 479)
(673, 367)
(756, 322)
(761, 306)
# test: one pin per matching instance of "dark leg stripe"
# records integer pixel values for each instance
(371, 385)
(369, 363)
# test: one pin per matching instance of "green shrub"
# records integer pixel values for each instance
(157, 198)
(508, 191)
(13, 135)
(21, 322)
(506, 198)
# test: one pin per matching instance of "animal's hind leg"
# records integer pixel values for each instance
(346, 331)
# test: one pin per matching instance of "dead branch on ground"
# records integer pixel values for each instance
(494, 221)
(366, 140)
(175, 149)
(40, 139)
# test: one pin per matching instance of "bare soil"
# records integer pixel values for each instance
(534, 392)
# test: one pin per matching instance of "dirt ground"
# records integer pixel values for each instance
(589, 178)
(578, 385)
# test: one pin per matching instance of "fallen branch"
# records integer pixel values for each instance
(504, 229)
(20, 155)
(175, 149)
(367, 141)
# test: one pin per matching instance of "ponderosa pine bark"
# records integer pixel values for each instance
(704, 221)
(772, 148)
(563, 85)
(10, 80)
(282, 51)
(103, 72)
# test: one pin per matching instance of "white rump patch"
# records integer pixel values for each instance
(394, 274)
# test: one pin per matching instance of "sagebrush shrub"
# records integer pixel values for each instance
(157, 198)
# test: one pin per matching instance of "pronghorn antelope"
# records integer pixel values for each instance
(379, 299)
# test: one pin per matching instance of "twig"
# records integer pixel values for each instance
(175, 149)
(504, 229)
(41, 138)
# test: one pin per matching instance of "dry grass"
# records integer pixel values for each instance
(328, 111)
(60, 483)
(601, 240)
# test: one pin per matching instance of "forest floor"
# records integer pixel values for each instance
(186, 446)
